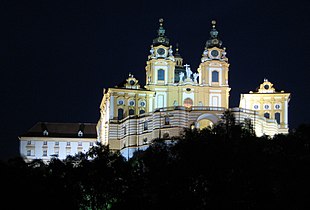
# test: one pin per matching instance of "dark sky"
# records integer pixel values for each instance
(57, 56)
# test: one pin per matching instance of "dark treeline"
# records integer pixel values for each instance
(222, 168)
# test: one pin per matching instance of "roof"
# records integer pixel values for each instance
(69, 130)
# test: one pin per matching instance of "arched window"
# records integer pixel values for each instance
(131, 112)
(141, 111)
(145, 126)
(215, 76)
(277, 116)
(167, 120)
(161, 74)
(188, 102)
(267, 115)
(120, 114)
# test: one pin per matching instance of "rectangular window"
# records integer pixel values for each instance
(145, 126)
(56, 143)
(161, 74)
(68, 144)
(44, 153)
(80, 144)
(28, 142)
(44, 142)
(215, 76)
(91, 144)
(28, 152)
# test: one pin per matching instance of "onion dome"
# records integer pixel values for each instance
(161, 39)
(214, 41)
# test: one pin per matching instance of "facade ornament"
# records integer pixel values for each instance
(170, 51)
(195, 77)
(152, 51)
(181, 75)
(188, 71)
(205, 52)
(224, 54)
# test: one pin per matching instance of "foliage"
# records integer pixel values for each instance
(226, 167)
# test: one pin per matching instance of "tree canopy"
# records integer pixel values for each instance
(226, 167)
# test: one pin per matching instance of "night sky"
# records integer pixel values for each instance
(57, 56)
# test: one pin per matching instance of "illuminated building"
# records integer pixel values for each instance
(173, 98)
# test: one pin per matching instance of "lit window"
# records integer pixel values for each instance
(145, 126)
(80, 134)
(131, 103)
(215, 76)
(167, 120)
(267, 115)
(142, 103)
(131, 112)
(120, 102)
(45, 133)
(277, 116)
(161, 74)
(120, 114)
(44, 153)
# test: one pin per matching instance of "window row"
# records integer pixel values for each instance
(57, 143)
(267, 106)
(120, 113)
(277, 116)
(146, 124)
(131, 103)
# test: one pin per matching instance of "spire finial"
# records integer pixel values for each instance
(213, 22)
(177, 47)
(161, 20)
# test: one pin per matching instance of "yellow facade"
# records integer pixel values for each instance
(268, 102)
(175, 97)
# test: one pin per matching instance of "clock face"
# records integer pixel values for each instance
(132, 82)
(161, 51)
(266, 87)
(214, 53)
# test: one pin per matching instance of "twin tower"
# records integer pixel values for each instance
(176, 84)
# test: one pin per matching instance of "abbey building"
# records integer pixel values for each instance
(175, 97)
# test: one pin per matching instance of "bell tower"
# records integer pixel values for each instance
(213, 70)
(161, 62)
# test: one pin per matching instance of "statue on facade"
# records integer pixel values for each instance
(195, 77)
(170, 51)
(188, 71)
(152, 51)
(181, 75)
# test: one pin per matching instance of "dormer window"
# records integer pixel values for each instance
(45, 133)
(80, 134)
